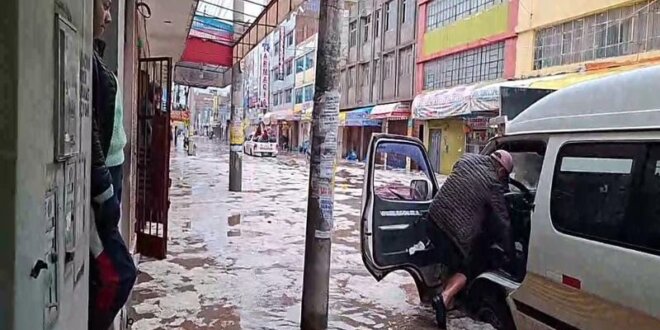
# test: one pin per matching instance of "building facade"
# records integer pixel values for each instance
(292, 57)
(462, 45)
(377, 75)
(591, 36)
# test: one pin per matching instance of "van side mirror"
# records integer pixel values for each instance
(421, 189)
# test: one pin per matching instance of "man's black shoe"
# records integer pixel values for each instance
(440, 312)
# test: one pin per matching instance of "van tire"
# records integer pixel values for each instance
(488, 305)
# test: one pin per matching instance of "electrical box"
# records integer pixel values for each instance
(67, 80)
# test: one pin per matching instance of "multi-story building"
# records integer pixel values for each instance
(591, 36)
(378, 74)
(462, 45)
(292, 51)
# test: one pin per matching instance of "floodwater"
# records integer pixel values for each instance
(235, 260)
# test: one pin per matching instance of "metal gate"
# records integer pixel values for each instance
(153, 155)
(435, 149)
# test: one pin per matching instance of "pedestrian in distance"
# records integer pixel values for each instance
(461, 212)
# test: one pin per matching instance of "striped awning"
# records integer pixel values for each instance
(391, 111)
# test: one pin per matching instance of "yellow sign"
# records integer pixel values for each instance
(236, 135)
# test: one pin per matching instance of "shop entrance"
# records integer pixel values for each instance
(435, 149)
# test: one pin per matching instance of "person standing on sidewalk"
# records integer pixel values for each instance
(112, 271)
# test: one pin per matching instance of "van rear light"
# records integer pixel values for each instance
(571, 281)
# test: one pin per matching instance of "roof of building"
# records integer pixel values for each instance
(625, 101)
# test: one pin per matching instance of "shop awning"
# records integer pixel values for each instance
(360, 117)
(570, 79)
(445, 103)
(275, 116)
(392, 111)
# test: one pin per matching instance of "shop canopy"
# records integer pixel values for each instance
(391, 111)
(451, 102)
(485, 97)
(275, 116)
(360, 117)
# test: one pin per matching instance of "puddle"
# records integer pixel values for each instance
(234, 220)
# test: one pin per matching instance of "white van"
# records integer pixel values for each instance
(584, 202)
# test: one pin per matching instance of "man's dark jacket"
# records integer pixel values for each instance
(467, 199)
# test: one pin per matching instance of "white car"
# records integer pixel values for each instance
(254, 147)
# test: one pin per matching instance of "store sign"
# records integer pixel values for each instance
(478, 123)
(265, 78)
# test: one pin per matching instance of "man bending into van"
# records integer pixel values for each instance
(460, 211)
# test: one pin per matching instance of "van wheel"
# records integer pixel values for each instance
(489, 306)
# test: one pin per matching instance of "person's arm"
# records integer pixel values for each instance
(503, 225)
(105, 204)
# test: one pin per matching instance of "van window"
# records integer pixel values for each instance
(527, 168)
(398, 165)
(609, 192)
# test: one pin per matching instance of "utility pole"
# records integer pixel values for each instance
(320, 203)
(236, 136)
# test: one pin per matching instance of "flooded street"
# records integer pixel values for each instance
(235, 260)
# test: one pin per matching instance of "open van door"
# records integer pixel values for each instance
(399, 185)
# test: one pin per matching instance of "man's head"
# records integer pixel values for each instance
(102, 16)
(503, 163)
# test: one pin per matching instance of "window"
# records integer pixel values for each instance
(275, 99)
(403, 11)
(388, 66)
(388, 15)
(468, 67)
(288, 67)
(299, 95)
(364, 74)
(620, 31)
(289, 39)
(352, 28)
(377, 24)
(444, 12)
(275, 73)
(366, 23)
(406, 62)
(287, 96)
(300, 65)
(351, 77)
(395, 181)
(308, 92)
(309, 60)
(376, 72)
(609, 192)
(276, 49)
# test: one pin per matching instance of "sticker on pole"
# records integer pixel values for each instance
(329, 114)
(327, 204)
(236, 134)
(322, 234)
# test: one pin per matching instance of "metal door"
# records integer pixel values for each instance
(435, 148)
(153, 156)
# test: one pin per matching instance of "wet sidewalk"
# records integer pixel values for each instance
(235, 260)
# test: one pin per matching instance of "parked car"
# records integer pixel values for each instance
(583, 203)
(253, 146)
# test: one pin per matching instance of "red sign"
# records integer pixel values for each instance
(265, 79)
(282, 50)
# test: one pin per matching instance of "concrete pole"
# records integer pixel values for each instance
(320, 203)
(236, 133)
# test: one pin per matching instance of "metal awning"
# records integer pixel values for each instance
(272, 15)
(360, 117)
